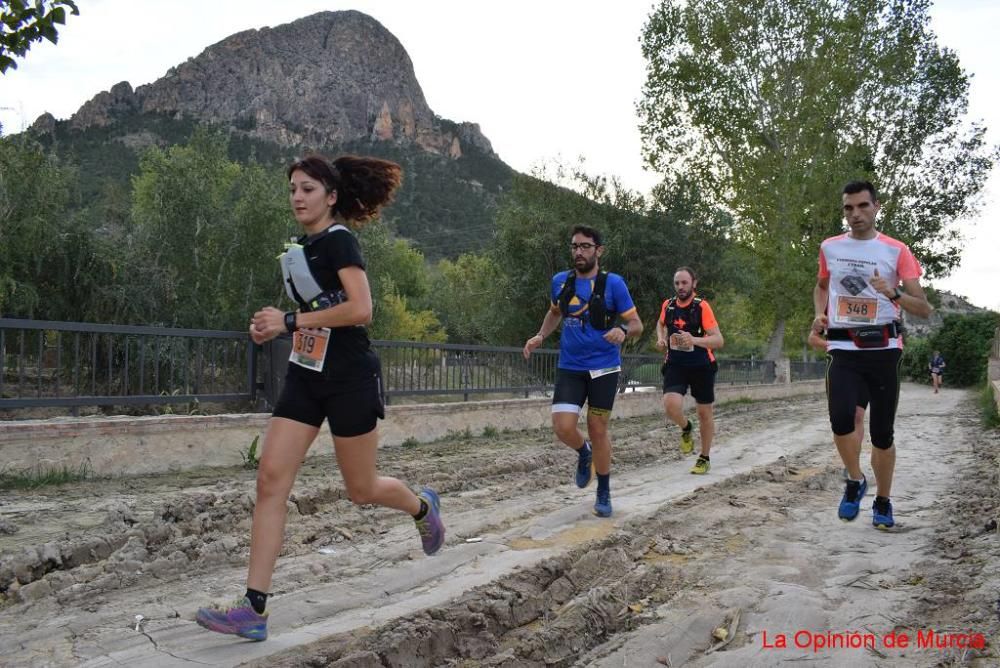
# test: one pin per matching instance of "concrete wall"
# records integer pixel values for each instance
(130, 445)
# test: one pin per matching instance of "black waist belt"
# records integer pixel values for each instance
(891, 330)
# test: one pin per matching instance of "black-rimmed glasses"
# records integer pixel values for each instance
(583, 246)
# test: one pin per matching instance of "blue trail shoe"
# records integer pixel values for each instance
(854, 491)
(431, 527)
(584, 465)
(882, 514)
(602, 507)
(238, 619)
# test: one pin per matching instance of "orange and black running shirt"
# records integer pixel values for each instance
(694, 316)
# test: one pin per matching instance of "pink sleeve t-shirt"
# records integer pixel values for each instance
(850, 264)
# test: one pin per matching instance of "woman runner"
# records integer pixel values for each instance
(333, 373)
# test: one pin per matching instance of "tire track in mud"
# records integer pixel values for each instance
(601, 589)
(555, 612)
(652, 592)
(188, 533)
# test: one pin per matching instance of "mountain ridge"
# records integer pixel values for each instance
(321, 80)
(332, 82)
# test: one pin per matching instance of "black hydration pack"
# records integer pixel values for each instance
(691, 313)
(600, 316)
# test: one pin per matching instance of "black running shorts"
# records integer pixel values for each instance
(352, 406)
(701, 380)
(850, 375)
(576, 388)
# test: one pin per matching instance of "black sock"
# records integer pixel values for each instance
(603, 481)
(881, 500)
(423, 510)
(688, 427)
(705, 457)
(258, 600)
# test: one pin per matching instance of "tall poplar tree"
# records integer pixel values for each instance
(771, 105)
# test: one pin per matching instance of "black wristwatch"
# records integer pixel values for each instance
(624, 328)
(290, 321)
(897, 293)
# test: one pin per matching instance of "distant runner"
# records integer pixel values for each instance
(936, 367)
(688, 332)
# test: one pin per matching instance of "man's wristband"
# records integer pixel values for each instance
(624, 328)
(290, 321)
(897, 293)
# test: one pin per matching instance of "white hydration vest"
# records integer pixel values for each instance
(300, 284)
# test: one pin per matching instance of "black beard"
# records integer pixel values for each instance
(683, 296)
(587, 265)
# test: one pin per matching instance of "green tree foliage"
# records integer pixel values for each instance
(770, 106)
(60, 260)
(34, 198)
(465, 294)
(399, 282)
(51, 267)
(398, 321)
(532, 244)
(964, 341)
(214, 228)
(23, 23)
(645, 241)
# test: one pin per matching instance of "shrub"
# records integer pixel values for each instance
(964, 342)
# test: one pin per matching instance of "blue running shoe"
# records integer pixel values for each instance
(431, 527)
(239, 619)
(850, 505)
(584, 465)
(882, 514)
(602, 507)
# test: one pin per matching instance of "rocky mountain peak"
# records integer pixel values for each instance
(323, 79)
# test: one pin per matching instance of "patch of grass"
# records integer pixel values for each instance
(489, 431)
(251, 459)
(455, 435)
(738, 401)
(988, 406)
(410, 442)
(44, 475)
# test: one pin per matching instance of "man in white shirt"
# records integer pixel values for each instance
(857, 302)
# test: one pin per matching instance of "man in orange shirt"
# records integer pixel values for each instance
(688, 332)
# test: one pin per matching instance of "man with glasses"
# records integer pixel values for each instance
(590, 303)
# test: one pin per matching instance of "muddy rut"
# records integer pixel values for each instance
(528, 576)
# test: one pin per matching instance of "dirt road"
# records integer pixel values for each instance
(755, 547)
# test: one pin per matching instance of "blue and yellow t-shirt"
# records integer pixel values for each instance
(581, 347)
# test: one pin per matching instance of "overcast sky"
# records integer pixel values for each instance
(545, 79)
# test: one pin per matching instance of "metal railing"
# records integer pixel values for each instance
(807, 369)
(426, 369)
(44, 363)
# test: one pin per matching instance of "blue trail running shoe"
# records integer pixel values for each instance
(882, 514)
(239, 619)
(584, 465)
(431, 527)
(854, 491)
(602, 507)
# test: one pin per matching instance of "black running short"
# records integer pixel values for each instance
(576, 388)
(701, 380)
(353, 406)
(850, 375)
